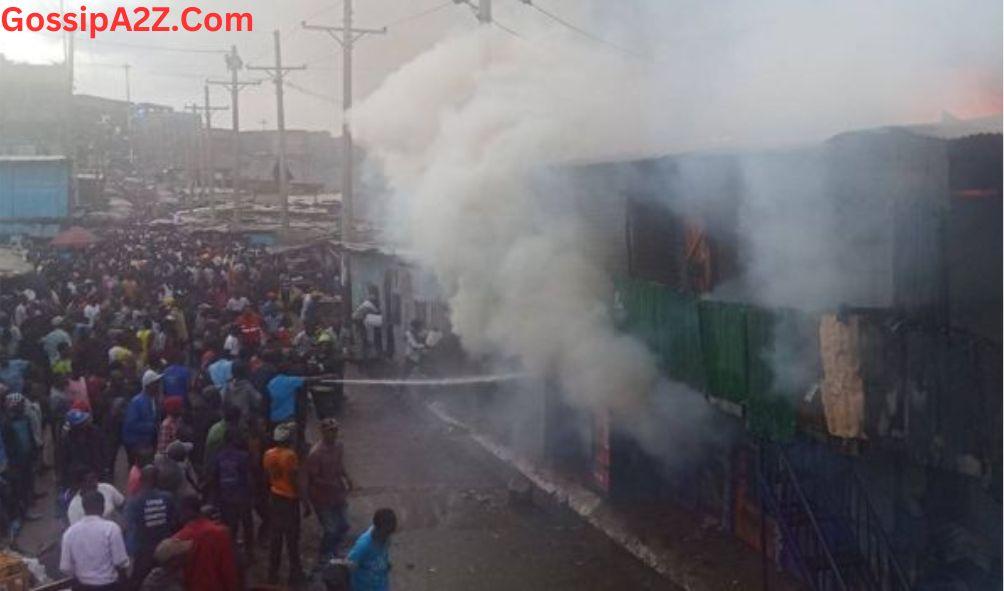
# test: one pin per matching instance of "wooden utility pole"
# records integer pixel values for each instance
(485, 11)
(234, 64)
(195, 164)
(209, 177)
(277, 73)
(128, 122)
(346, 35)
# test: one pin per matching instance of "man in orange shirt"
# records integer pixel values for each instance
(282, 469)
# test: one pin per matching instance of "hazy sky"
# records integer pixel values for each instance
(903, 59)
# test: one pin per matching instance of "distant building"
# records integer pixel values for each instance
(100, 131)
(34, 108)
(313, 159)
(164, 139)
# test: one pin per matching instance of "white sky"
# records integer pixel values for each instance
(876, 45)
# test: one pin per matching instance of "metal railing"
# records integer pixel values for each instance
(852, 550)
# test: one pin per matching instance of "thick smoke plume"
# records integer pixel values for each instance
(465, 131)
(462, 132)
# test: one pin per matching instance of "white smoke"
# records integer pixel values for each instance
(461, 131)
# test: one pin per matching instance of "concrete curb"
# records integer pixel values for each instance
(554, 491)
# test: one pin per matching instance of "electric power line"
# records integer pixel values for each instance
(418, 15)
(587, 34)
(157, 47)
(508, 30)
(146, 71)
(312, 93)
(293, 29)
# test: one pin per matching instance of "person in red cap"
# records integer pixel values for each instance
(174, 406)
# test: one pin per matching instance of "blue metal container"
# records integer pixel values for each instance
(34, 188)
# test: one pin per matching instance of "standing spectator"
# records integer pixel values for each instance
(250, 325)
(56, 337)
(174, 471)
(232, 344)
(171, 426)
(85, 445)
(369, 559)
(177, 379)
(211, 564)
(12, 372)
(20, 450)
(76, 388)
(139, 427)
(216, 436)
(93, 552)
(87, 481)
(121, 353)
(230, 485)
(63, 363)
(241, 393)
(169, 574)
(150, 518)
(116, 397)
(287, 398)
(281, 469)
(59, 405)
(327, 486)
(221, 371)
(144, 458)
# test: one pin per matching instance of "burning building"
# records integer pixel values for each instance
(843, 302)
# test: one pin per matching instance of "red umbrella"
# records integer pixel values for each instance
(74, 237)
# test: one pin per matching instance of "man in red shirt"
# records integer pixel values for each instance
(250, 324)
(211, 565)
(327, 486)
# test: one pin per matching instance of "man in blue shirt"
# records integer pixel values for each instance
(12, 372)
(369, 559)
(139, 428)
(150, 518)
(56, 337)
(221, 371)
(19, 443)
(286, 401)
(177, 378)
(282, 392)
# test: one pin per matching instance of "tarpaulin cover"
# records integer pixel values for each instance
(723, 342)
(74, 237)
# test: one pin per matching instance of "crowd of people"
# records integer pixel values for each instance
(193, 359)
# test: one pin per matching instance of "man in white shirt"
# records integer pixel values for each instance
(232, 344)
(93, 552)
(112, 498)
(92, 310)
(237, 304)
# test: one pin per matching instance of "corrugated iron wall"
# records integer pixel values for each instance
(936, 390)
(34, 189)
